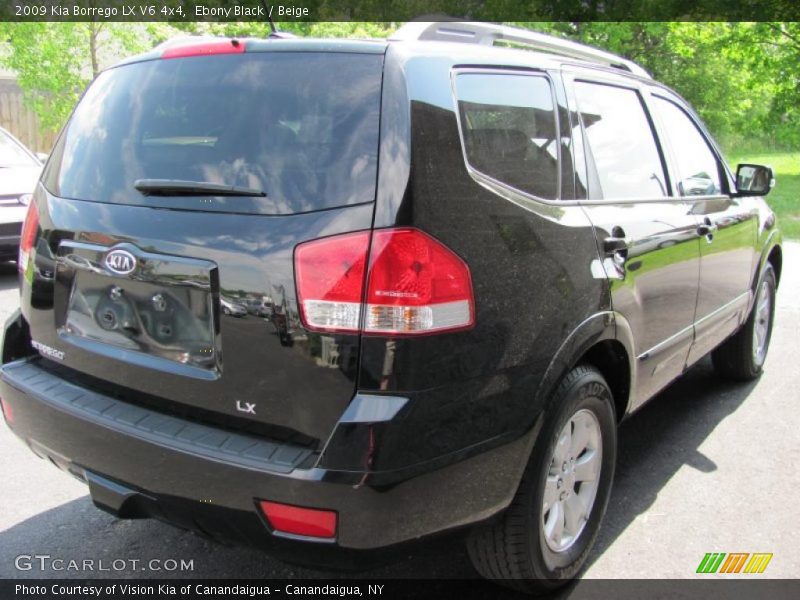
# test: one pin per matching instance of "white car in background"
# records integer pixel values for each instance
(19, 171)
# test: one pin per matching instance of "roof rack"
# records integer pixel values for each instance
(488, 33)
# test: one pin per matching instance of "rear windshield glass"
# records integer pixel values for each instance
(300, 126)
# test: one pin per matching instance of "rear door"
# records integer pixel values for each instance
(147, 287)
(647, 237)
(728, 225)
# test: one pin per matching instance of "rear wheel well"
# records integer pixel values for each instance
(610, 358)
(775, 258)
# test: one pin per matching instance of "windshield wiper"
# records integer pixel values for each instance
(177, 187)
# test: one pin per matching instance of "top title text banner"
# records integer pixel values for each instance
(399, 10)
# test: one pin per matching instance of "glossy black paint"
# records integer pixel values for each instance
(529, 265)
(218, 498)
(411, 436)
(269, 361)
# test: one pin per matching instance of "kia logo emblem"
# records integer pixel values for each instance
(120, 262)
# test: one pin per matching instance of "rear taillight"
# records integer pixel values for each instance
(330, 281)
(415, 284)
(28, 237)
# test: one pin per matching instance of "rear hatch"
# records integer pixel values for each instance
(175, 293)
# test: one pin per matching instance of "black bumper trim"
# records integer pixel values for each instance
(157, 428)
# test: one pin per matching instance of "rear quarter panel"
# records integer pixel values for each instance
(531, 270)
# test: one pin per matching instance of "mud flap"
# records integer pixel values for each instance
(119, 500)
(16, 338)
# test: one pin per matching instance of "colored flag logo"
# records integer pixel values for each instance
(735, 562)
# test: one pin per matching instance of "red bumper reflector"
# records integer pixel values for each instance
(7, 412)
(204, 49)
(308, 522)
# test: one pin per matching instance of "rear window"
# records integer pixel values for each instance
(509, 130)
(300, 126)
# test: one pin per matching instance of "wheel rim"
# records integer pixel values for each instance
(762, 321)
(572, 481)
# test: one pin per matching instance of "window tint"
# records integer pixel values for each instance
(698, 170)
(309, 142)
(509, 128)
(621, 142)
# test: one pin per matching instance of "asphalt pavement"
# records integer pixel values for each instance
(707, 466)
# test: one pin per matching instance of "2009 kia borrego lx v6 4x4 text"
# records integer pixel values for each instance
(477, 261)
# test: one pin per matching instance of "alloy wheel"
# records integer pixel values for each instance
(761, 325)
(572, 481)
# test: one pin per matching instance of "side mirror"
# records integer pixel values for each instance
(42, 156)
(754, 180)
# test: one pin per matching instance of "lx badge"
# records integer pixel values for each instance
(246, 407)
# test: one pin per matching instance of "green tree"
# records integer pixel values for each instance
(55, 61)
(743, 78)
(773, 53)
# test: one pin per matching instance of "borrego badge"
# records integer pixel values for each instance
(47, 350)
(120, 262)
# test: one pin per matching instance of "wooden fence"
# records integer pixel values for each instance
(20, 120)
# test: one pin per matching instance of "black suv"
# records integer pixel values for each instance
(474, 261)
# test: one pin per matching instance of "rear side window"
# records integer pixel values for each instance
(626, 157)
(698, 170)
(508, 124)
(300, 126)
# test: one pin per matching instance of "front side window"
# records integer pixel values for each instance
(698, 170)
(508, 123)
(626, 158)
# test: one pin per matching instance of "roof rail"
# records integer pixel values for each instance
(489, 33)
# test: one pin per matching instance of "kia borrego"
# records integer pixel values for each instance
(479, 260)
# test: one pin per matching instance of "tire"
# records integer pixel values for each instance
(741, 357)
(514, 549)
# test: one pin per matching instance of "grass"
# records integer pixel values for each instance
(785, 197)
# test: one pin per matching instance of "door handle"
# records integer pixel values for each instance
(615, 247)
(707, 229)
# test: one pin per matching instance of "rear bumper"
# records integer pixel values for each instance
(139, 463)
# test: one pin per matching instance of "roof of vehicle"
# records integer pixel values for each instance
(488, 34)
(466, 41)
(356, 46)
